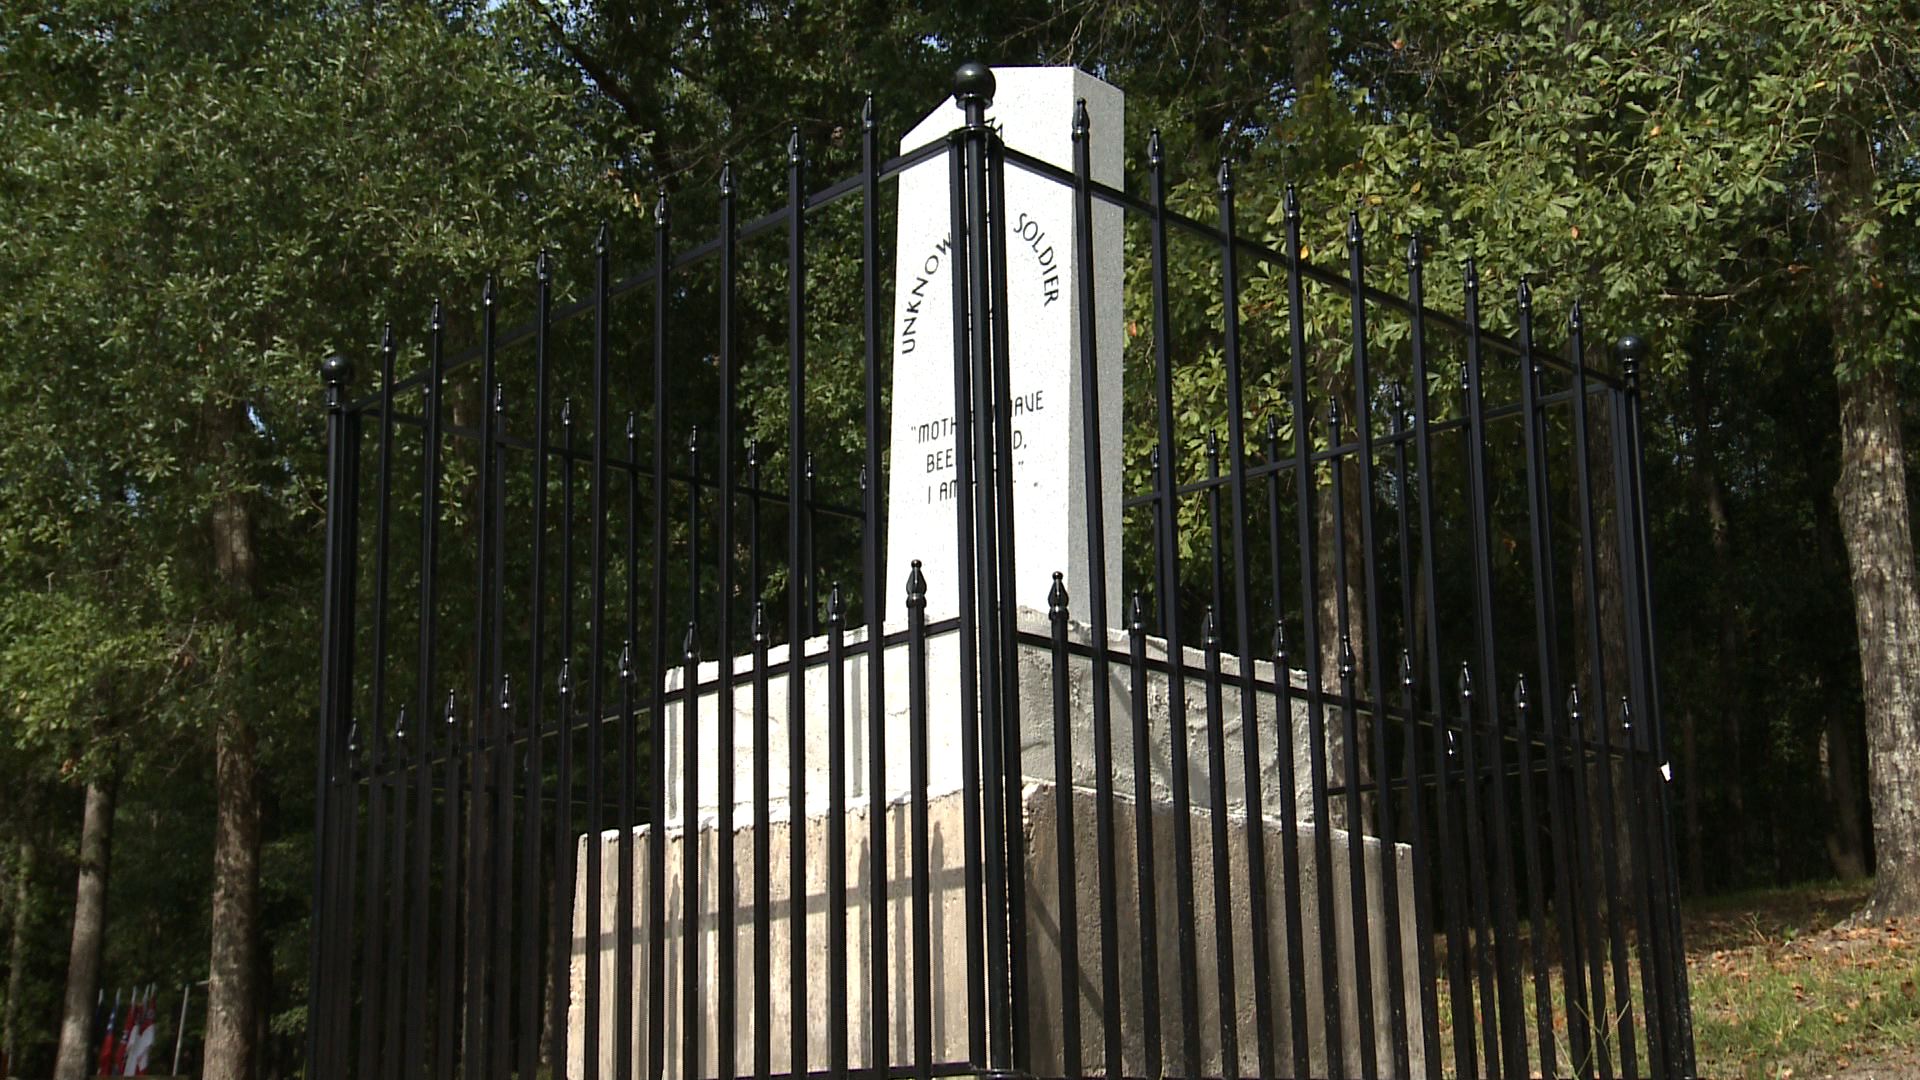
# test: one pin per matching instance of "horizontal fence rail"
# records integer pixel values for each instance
(660, 735)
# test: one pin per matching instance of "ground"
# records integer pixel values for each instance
(1781, 990)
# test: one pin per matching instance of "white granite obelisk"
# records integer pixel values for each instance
(1033, 110)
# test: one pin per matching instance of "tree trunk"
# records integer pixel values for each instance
(17, 959)
(232, 995)
(1876, 522)
(75, 1059)
(1874, 519)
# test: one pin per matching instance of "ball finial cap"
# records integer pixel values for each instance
(1631, 352)
(973, 81)
(336, 370)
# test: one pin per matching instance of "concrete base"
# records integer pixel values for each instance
(1043, 996)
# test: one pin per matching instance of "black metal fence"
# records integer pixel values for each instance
(1364, 775)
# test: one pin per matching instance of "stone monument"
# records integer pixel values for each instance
(1033, 110)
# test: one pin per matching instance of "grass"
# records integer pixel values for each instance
(1778, 992)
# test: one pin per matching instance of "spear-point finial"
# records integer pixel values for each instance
(506, 691)
(973, 84)
(603, 241)
(1136, 623)
(863, 478)
(1398, 395)
(753, 452)
(693, 439)
(660, 208)
(690, 645)
(1630, 351)
(1466, 680)
(1273, 429)
(1353, 228)
(793, 145)
(1333, 418)
(1153, 460)
(1279, 641)
(1293, 203)
(1082, 124)
(1224, 178)
(1520, 692)
(542, 270)
(1213, 446)
(867, 122)
(1626, 715)
(566, 677)
(387, 343)
(1209, 633)
(916, 587)
(1057, 596)
(438, 320)
(400, 725)
(353, 736)
(449, 713)
(626, 659)
(759, 628)
(633, 430)
(486, 292)
(1406, 668)
(1573, 701)
(726, 179)
(1413, 250)
(1526, 294)
(1574, 321)
(836, 605)
(1347, 664)
(499, 399)
(1155, 154)
(1473, 276)
(566, 412)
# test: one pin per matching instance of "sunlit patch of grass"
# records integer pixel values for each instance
(1778, 991)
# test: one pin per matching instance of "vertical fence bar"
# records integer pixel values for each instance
(1374, 646)
(1310, 612)
(1350, 756)
(336, 374)
(657, 672)
(530, 861)
(1584, 821)
(563, 798)
(1630, 351)
(1452, 873)
(873, 600)
(922, 880)
(1410, 737)
(453, 880)
(1261, 960)
(990, 942)
(1069, 900)
(1529, 819)
(690, 985)
(1471, 819)
(481, 845)
(799, 617)
(1289, 782)
(1144, 861)
(377, 964)
(995, 550)
(1167, 548)
(1090, 442)
(596, 762)
(1546, 641)
(726, 960)
(500, 1037)
(1589, 565)
(1223, 959)
(762, 838)
(836, 905)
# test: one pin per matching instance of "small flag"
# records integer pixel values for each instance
(108, 1043)
(140, 1042)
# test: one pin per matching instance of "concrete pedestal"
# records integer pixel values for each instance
(1043, 995)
